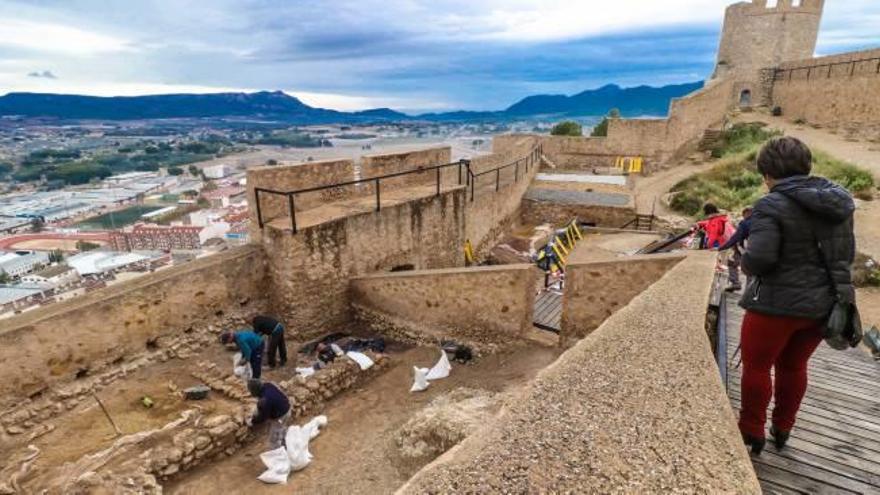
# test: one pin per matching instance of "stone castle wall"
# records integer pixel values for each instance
(310, 271)
(755, 36)
(658, 141)
(84, 335)
(489, 212)
(294, 177)
(392, 163)
(839, 90)
(482, 305)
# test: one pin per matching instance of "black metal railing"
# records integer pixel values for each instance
(780, 74)
(527, 162)
(466, 177)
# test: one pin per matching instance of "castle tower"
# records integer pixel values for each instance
(764, 33)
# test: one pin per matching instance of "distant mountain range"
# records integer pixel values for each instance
(279, 106)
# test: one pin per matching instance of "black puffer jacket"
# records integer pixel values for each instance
(788, 277)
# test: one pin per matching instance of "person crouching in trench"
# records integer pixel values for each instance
(272, 406)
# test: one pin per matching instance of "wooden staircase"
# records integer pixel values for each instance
(642, 222)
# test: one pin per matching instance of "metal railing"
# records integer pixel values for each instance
(528, 161)
(466, 177)
(778, 74)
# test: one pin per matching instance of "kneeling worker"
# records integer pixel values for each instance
(274, 330)
(251, 346)
(273, 406)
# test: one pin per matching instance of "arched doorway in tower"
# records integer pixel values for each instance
(745, 98)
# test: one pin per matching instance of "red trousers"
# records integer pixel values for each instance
(785, 344)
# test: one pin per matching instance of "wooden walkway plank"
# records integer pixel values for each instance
(835, 445)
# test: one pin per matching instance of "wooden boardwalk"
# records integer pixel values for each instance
(835, 445)
(548, 311)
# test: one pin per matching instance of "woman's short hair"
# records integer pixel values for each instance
(785, 157)
(709, 209)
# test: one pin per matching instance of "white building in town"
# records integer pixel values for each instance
(18, 263)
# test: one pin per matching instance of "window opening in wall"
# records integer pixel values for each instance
(403, 268)
(745, 98)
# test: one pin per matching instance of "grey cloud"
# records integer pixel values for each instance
(46, 74)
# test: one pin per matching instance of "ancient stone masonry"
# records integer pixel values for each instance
(116, 323)
(32, 416)
(483, 306)
(138, 463)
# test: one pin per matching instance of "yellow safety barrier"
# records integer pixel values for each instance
(468, 252)
(629, 164)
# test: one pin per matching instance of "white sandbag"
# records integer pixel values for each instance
(277, 466)
(420, 381)
(305, 372)
(296, 456)
(441, 369)
(361, 359)
(314, 426)
(244, 372)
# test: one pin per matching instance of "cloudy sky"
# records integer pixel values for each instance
(355, 54)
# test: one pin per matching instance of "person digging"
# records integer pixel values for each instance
(251, 347)
(272, 406)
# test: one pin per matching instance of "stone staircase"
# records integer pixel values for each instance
(711, 139)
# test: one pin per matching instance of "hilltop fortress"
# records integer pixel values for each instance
(382, 244)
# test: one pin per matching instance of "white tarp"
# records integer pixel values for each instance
(617, 180)
(441, 369)
(361, 359)
(295, 455)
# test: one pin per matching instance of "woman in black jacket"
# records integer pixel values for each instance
(790, 292)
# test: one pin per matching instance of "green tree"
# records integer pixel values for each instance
(567, 128)
(194, 171)
(272, 162)
(37, 224)
(86, 245)
(175, 171)
(56, 256)
(4, 278)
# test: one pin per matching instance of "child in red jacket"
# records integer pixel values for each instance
(715, 226)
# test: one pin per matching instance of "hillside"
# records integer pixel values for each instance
(637, 101)
(279, 106)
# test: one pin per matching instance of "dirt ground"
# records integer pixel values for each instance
(356, 452)
(48, 244)
(649, 190)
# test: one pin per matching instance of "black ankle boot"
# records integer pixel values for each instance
(756, 444)
(779, 437)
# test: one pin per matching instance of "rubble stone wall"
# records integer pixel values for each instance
(557, 214)
(483, 305)
(310, 271)
(596, 290)
(84, 335)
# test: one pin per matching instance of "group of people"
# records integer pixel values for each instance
(273, 405)
(250, 343)
(796, 246)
